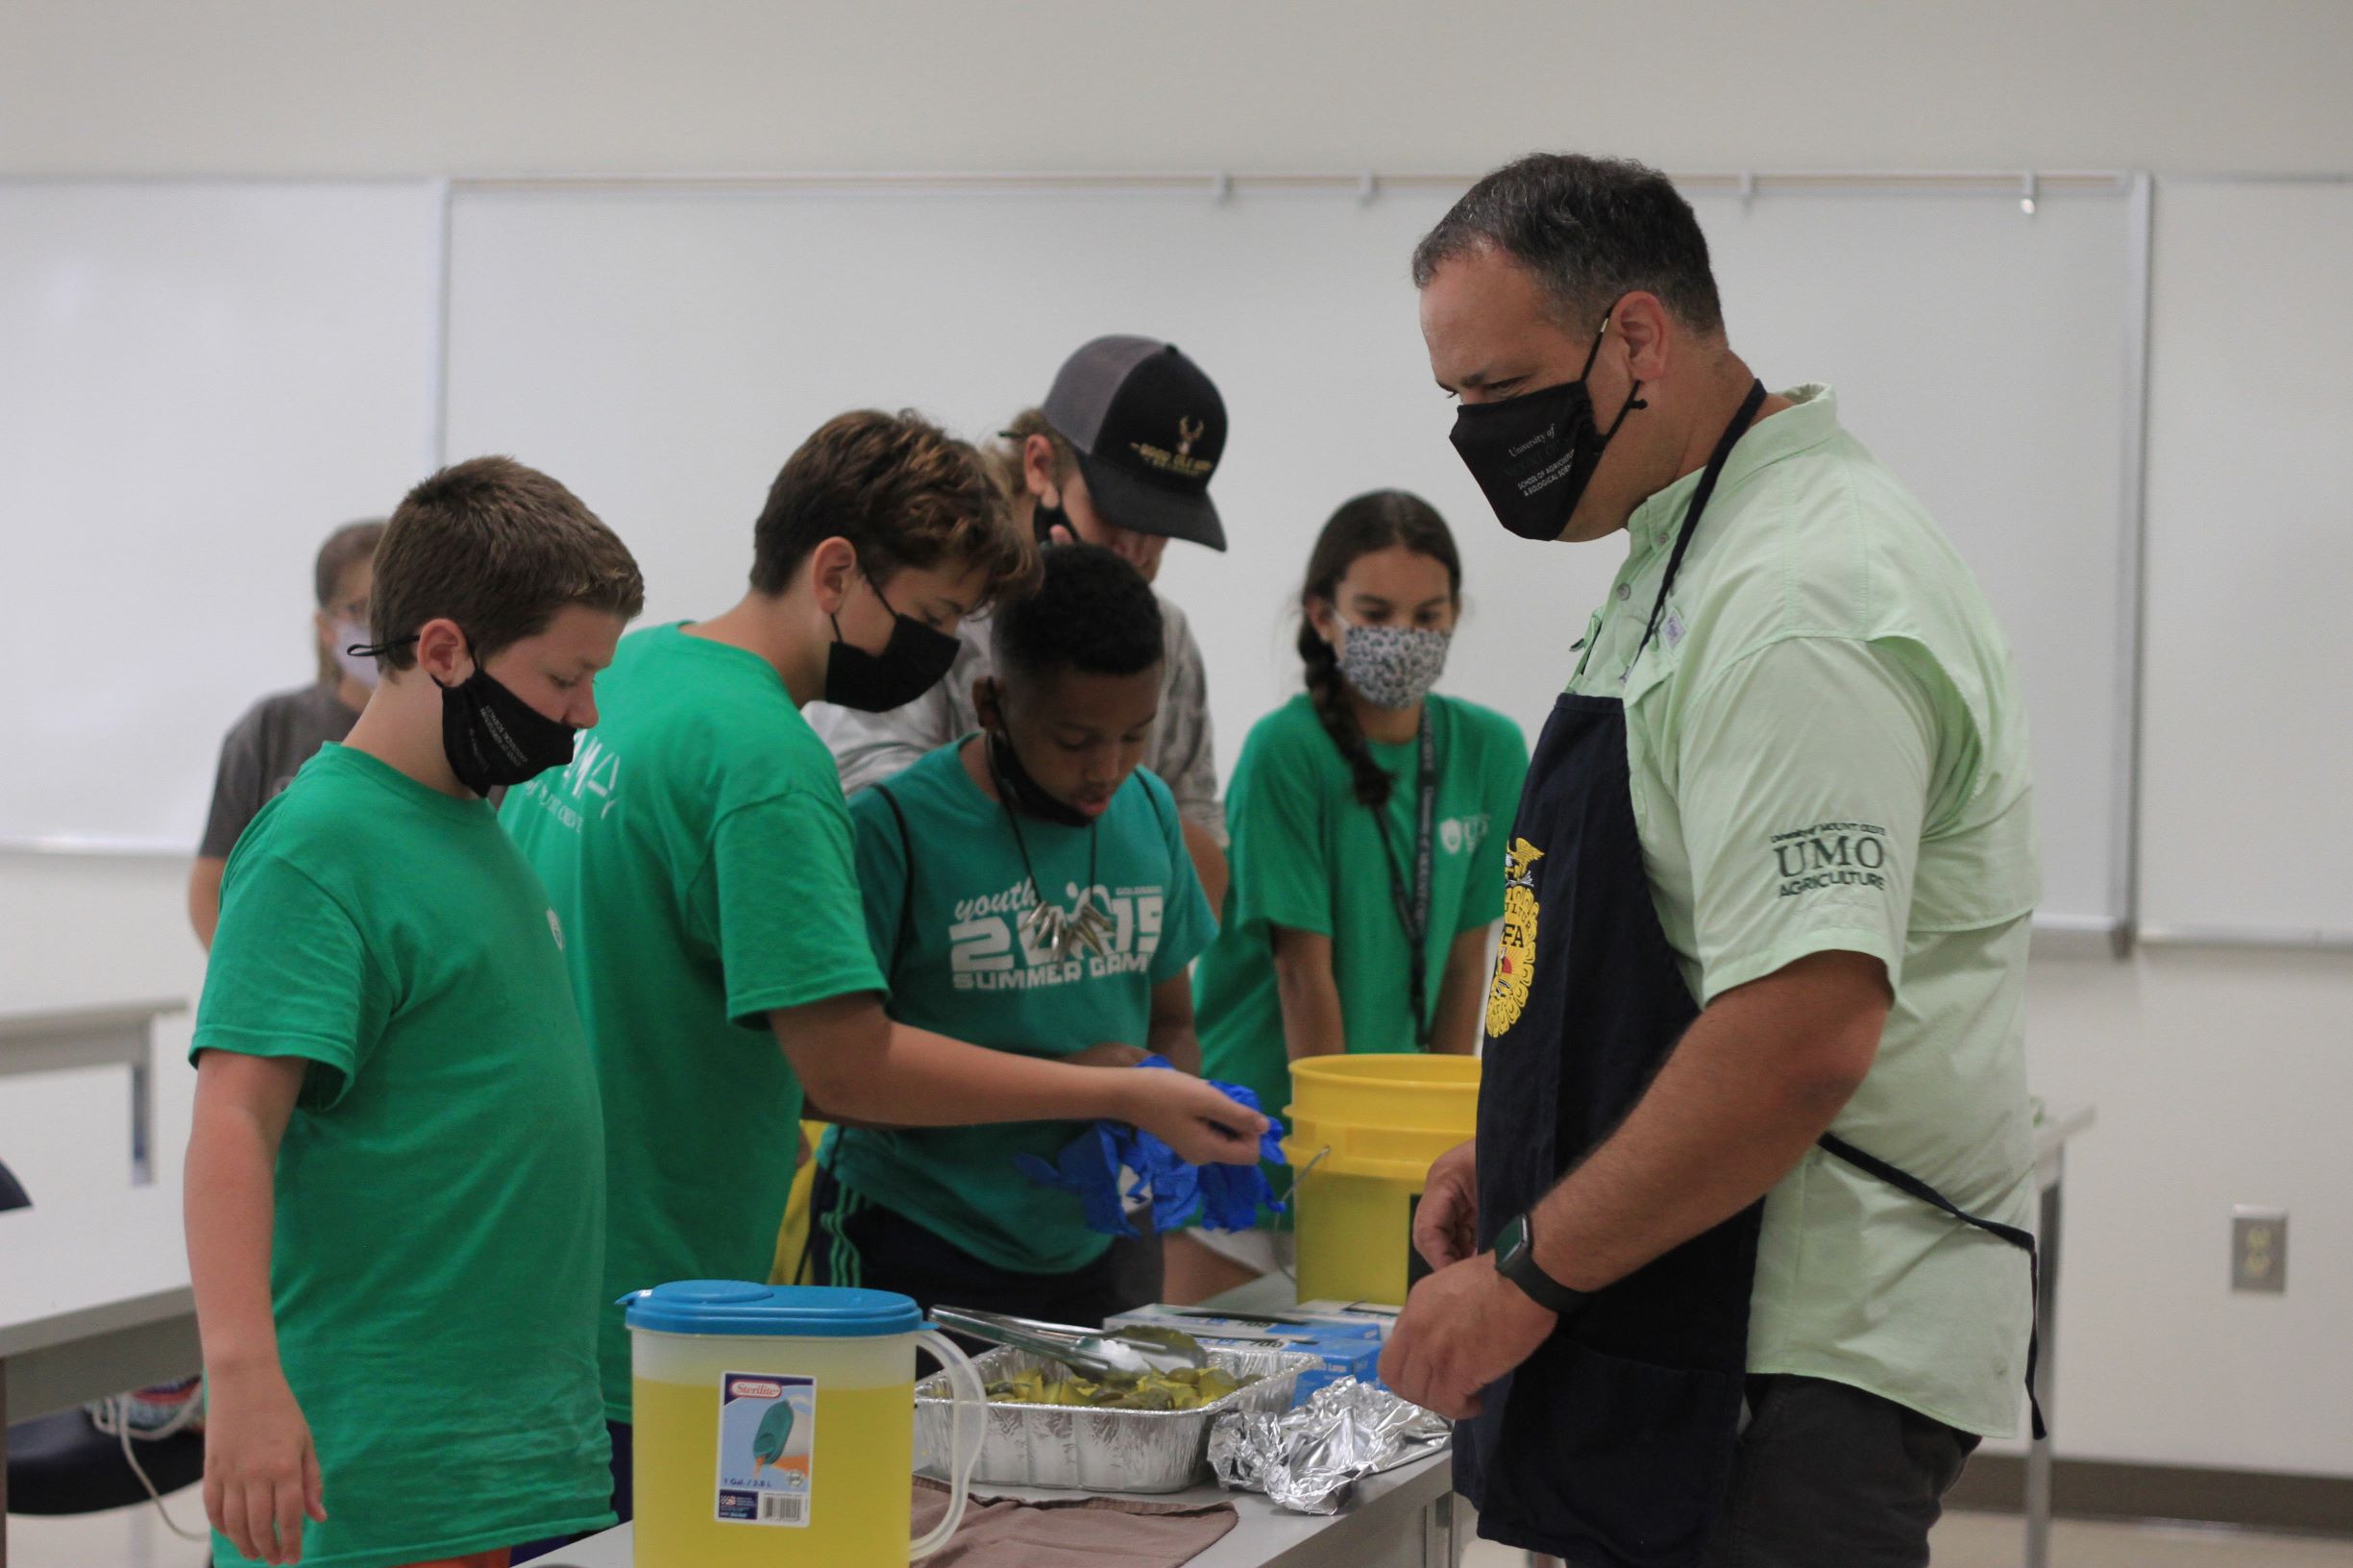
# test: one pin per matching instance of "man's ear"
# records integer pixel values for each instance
(1038, 465)
(1642, 320)
(831, 565)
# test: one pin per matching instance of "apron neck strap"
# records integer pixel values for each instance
(1732, 432)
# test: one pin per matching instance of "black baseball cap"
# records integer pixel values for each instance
(1148, 428)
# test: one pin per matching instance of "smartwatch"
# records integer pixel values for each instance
(1515, 1260)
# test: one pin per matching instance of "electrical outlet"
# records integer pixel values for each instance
(2259, 1249)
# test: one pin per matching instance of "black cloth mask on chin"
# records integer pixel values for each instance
(1044, 520)
(1534, 455)
(1021, 788)
(493, 738)
(915, 660)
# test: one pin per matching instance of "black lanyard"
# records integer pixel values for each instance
(1732, 432)
(1413, 908)
(1725, 443)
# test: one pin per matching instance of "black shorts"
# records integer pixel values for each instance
(853, 1241)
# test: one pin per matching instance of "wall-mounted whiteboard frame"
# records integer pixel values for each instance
(2203, 377)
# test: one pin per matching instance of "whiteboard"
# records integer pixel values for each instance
(662, 349)
(198, 381)
(2248, 759)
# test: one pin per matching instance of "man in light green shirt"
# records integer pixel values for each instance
(1840, 765)
(1826, 807)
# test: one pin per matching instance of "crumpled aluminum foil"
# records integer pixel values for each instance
(1311, 1459)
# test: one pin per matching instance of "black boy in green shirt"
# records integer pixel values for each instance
(1027, 888)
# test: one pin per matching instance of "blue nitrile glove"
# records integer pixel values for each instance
(1232, 1195)
(1088, 1169)
(1220, 1197)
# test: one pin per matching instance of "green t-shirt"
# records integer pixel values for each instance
(440, 1212)
(1307, 855)
(699, 851)
(943, 906)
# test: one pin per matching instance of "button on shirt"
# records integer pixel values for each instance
(1827, 752)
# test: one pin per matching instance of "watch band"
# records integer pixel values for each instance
(1515, 1260)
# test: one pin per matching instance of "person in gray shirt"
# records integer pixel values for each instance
(283, 731)
(1119, 455)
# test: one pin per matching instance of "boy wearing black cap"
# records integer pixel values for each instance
(1121, 455)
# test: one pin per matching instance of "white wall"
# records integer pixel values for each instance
(456, 85)
(2220, 1076)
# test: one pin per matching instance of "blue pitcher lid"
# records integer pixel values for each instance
(812, 1311)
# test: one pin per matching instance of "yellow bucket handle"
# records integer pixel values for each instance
(1409, 1171)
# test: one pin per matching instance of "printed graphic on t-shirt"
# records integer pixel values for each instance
(1464, 835)
(991, 948)
(585, 787)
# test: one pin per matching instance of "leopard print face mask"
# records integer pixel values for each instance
(1394, 667)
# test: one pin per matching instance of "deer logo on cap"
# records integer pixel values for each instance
(1189, 430)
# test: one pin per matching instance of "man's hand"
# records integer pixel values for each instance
(1462, 1328)
(1446, 1224)
(261, 1473)
(1200, 1123)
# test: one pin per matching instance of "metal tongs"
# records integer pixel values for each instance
(1100, 1354)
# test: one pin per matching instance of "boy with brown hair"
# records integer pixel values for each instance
(701, 854)
(395, 1196)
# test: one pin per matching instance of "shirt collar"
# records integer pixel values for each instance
(1812, 419)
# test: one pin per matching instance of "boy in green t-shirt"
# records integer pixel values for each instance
(1028, 890)
(699, 852)
(395, 1196)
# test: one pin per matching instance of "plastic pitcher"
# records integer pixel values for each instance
(776, 1426)
(1364, 1132)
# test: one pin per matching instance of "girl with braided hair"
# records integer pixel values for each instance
(1368, 818)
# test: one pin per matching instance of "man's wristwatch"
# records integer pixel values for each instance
(1515, 1260)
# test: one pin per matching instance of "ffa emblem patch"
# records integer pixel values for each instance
(1515, 960)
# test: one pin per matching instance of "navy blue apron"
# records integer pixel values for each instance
(1612, 1445)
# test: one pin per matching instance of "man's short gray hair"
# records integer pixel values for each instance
(1591, 228)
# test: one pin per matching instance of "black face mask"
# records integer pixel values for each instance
(1044, 520)
(493, 738)
(1023, 792)
(914, 661)
(1534, 455)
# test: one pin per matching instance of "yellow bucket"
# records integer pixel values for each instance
(1364, 1132)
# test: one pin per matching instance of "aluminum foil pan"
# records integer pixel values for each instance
(1098, 1451)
